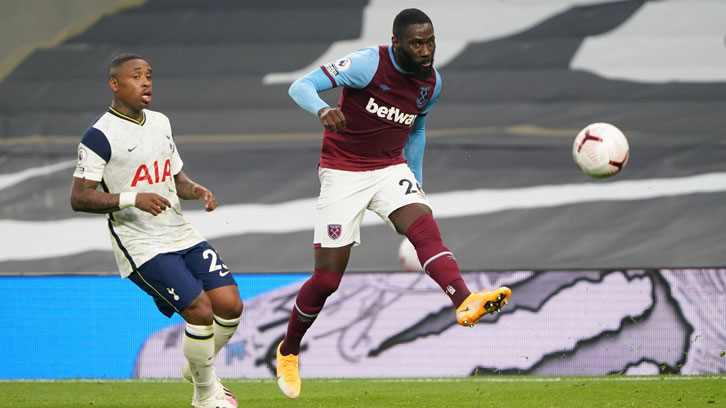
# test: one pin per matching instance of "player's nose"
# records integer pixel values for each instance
(426, 51)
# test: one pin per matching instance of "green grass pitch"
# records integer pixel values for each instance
(496, 391)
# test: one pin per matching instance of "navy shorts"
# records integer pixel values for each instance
(175, 279)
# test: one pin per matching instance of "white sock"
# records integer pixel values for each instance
(198, 347)
(223, 331)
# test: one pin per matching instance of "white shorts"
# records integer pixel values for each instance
(345, 195)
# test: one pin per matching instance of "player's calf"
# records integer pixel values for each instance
(437, 260)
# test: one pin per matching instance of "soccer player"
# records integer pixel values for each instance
(129, 151)
(371, 159)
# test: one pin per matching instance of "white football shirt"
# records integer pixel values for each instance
(124, 154)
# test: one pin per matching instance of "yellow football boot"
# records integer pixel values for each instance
(288, 376)
(477, 305)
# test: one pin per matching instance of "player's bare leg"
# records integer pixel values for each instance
(330, 263)
(417, 223)
(403, 217)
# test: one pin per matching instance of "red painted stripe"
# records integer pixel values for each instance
(328, 75)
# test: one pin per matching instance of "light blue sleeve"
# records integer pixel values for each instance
(304, 91)
(413, 151)
(354, 71)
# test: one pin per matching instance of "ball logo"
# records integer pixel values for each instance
(588, 136)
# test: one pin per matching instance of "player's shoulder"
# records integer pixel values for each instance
(368, 50)
(100, 127)
(155, 115)
(157, 121)
(356, 69)
(368, 54)
(102, 120)
(92, 133)
(97, 140)
(110, 123)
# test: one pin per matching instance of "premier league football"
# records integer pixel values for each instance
(600, 150)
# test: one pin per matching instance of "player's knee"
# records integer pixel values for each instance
(406, 216)
(226, 302)
(199, 312)
(325, 281)
(230, 309)
(233, 310)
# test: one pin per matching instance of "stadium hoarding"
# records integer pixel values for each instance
(568, 322)
(556, 323)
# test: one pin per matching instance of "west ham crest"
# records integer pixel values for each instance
(423, 96)
(334, 230)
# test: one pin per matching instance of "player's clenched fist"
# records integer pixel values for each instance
(332, 118)
(152, 203)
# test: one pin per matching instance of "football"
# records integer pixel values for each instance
(408, 257)
(600, 150)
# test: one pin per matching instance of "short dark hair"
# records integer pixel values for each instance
(119, 60)
(407, 17)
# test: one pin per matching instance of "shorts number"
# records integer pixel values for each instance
(213, 266)
(409, 186)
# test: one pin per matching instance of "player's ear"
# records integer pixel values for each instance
(394, 42)
(113, 84)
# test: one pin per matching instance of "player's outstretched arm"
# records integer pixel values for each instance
(85, 197)
(189, 190)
